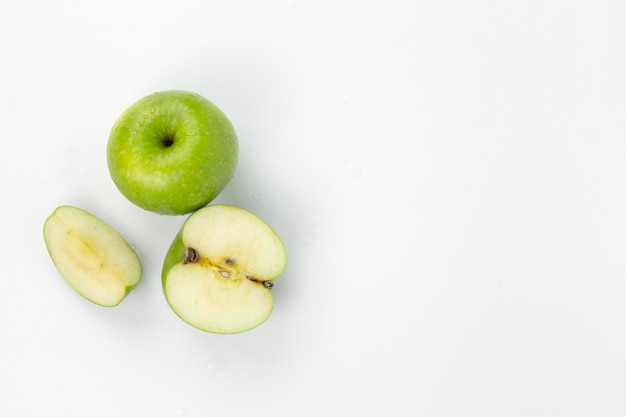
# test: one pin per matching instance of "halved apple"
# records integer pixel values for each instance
(91, 256)
(218, 272)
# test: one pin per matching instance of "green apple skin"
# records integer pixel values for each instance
(265, 254)
(172, 152)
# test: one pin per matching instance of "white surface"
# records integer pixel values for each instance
(447, 176)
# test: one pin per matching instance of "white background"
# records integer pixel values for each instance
(448, 178)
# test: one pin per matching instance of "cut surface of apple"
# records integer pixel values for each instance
(218, 272)
(91, 256)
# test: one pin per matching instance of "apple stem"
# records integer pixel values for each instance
(266, 284)
(192, 256)
(168, 140)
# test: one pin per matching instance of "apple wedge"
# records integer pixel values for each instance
(91, 256)
(218, 272)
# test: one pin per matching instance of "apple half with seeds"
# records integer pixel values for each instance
(91, 256)
(218, 272)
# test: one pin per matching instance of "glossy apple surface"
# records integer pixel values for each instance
(172, 152)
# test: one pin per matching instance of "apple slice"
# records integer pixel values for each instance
(218, 272)
(91, 256)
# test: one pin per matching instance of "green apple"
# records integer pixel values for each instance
(218, 272)
(91, 256)
(172, 152)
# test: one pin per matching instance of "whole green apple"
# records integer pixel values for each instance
(172, 152)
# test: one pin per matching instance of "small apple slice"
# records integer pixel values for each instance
(91, 256)
(218, 272)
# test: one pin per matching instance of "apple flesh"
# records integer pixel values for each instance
(91, 256)
(172, 152)
(218, 272)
